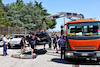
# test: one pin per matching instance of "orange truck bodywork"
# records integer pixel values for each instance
(82, 48)
(82, 44)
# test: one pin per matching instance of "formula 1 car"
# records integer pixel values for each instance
(44, 37)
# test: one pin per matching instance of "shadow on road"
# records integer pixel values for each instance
(1, 54)
(53, 54)
(78, 62)
(27, 55)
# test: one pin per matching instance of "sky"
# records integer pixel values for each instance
(89, 8)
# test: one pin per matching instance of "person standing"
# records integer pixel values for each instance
(62, 41)
(5, 43)
(23, 42)
(59, 42)
(57, 39)
(29, 39)
(50, 44)
(42, 31)
(33, 42)
(55, 42)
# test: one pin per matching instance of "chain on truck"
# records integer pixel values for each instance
(82, 36)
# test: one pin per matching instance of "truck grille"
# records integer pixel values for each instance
(85, 47)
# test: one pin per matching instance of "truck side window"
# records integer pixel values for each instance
(95, 29)
(72, 30)
(79, 29)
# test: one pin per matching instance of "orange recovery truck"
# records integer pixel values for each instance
(82, 40)
(82, 37)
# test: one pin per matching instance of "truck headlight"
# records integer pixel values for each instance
(69, 54)
(98, 54)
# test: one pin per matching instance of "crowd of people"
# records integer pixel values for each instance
(31, 39)
(56, 41)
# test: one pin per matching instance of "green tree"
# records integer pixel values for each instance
(23, 15)
(49, 24)
(1, 5)
(31, 16)
(19, 5)
(3, 20)
(13, 16)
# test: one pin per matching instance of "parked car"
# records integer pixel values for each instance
(15, 41)
(1, 42)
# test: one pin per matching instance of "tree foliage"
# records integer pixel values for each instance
(23, 15)
(49, 24)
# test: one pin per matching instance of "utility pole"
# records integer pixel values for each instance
(64, 25)
(62, 31)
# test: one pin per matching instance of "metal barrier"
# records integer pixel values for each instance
(11, 30)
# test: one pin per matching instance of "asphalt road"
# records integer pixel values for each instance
(50, 59)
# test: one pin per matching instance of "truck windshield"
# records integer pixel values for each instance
(83, 29)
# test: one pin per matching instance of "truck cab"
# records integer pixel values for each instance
(82, 40)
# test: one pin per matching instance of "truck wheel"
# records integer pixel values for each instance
(98, 59)
(70, 59)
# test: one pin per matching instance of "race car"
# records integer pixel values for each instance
(44, 37)
(15, 41)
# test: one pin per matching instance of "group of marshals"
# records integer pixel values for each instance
(32, 40)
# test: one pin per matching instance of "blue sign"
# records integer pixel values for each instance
(69, 14)
(74, 14)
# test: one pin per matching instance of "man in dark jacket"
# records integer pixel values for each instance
(23, 42)
(33, 42)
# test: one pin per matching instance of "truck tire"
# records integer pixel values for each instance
(98, 59)
(63, 53)
(70, 59)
